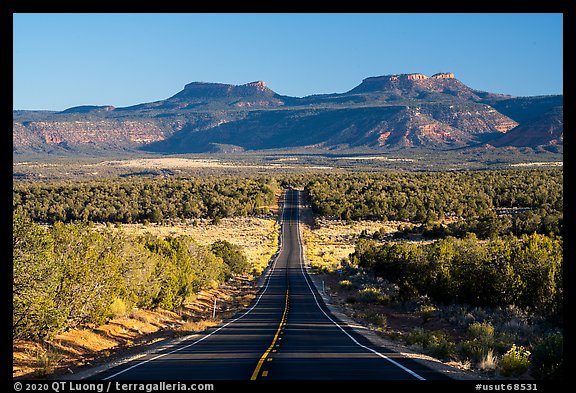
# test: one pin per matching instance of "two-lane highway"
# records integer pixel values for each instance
(288, 333)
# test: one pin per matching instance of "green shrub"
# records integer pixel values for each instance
(477, 348)
(521, 271)
(71, 274)
(346, 284)
(435, 343)
(232, 254)
(427, 312)
(515, 362)
(373, 295)
(547, 357)
(183, 268)
(417, 336)
(118, 308)
(441, 346)
(480, 330)
(35, 278)
(377, 319)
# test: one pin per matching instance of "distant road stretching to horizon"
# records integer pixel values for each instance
(287, 333)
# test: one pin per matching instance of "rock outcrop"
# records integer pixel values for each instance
(415, 86)
(407, 77)
(89, 109)
(216, 90)
(249, 95)
(416, 77)
(443, 75)
(93, 134)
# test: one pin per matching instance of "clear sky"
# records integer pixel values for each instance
(65, 60)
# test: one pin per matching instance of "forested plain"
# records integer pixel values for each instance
(489, 202)
(66, 273)
(144, 200)
(495, 239)
(477, 247)
(502, 244)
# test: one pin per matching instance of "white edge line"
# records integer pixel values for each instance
(334, 322)
(221, 327)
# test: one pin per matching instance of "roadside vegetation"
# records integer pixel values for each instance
(473, 275)
(67, 275)
(93, 252)
(524, 271)
(501, 341)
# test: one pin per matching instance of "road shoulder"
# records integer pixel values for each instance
(373, 337)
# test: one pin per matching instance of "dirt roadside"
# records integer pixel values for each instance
(85, 349)
(451, 370)
(327, 283)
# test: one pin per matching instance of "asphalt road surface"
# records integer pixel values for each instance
(287, 333)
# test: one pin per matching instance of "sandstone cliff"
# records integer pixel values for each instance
(386, 112)
(545, 130)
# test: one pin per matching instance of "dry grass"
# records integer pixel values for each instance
(334, 240)
(375, 158)
(167, 163)
(489, 362)
(257, 236)
(176, 163)
(190, 327)
(44, 358)
(81, 346)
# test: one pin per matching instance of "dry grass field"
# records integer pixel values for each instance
(87, 168)
(332, 240)
(257, 236)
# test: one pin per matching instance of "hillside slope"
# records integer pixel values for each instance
(386, 112)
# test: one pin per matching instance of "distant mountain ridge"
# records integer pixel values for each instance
(546, 129)
(386, 113)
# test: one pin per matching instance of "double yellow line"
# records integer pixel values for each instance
(270, 348)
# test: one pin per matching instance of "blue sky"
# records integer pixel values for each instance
(65, 60)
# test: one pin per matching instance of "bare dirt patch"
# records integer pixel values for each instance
(168, 163)
(539, 163)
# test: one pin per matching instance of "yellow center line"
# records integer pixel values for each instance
(270, 348)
